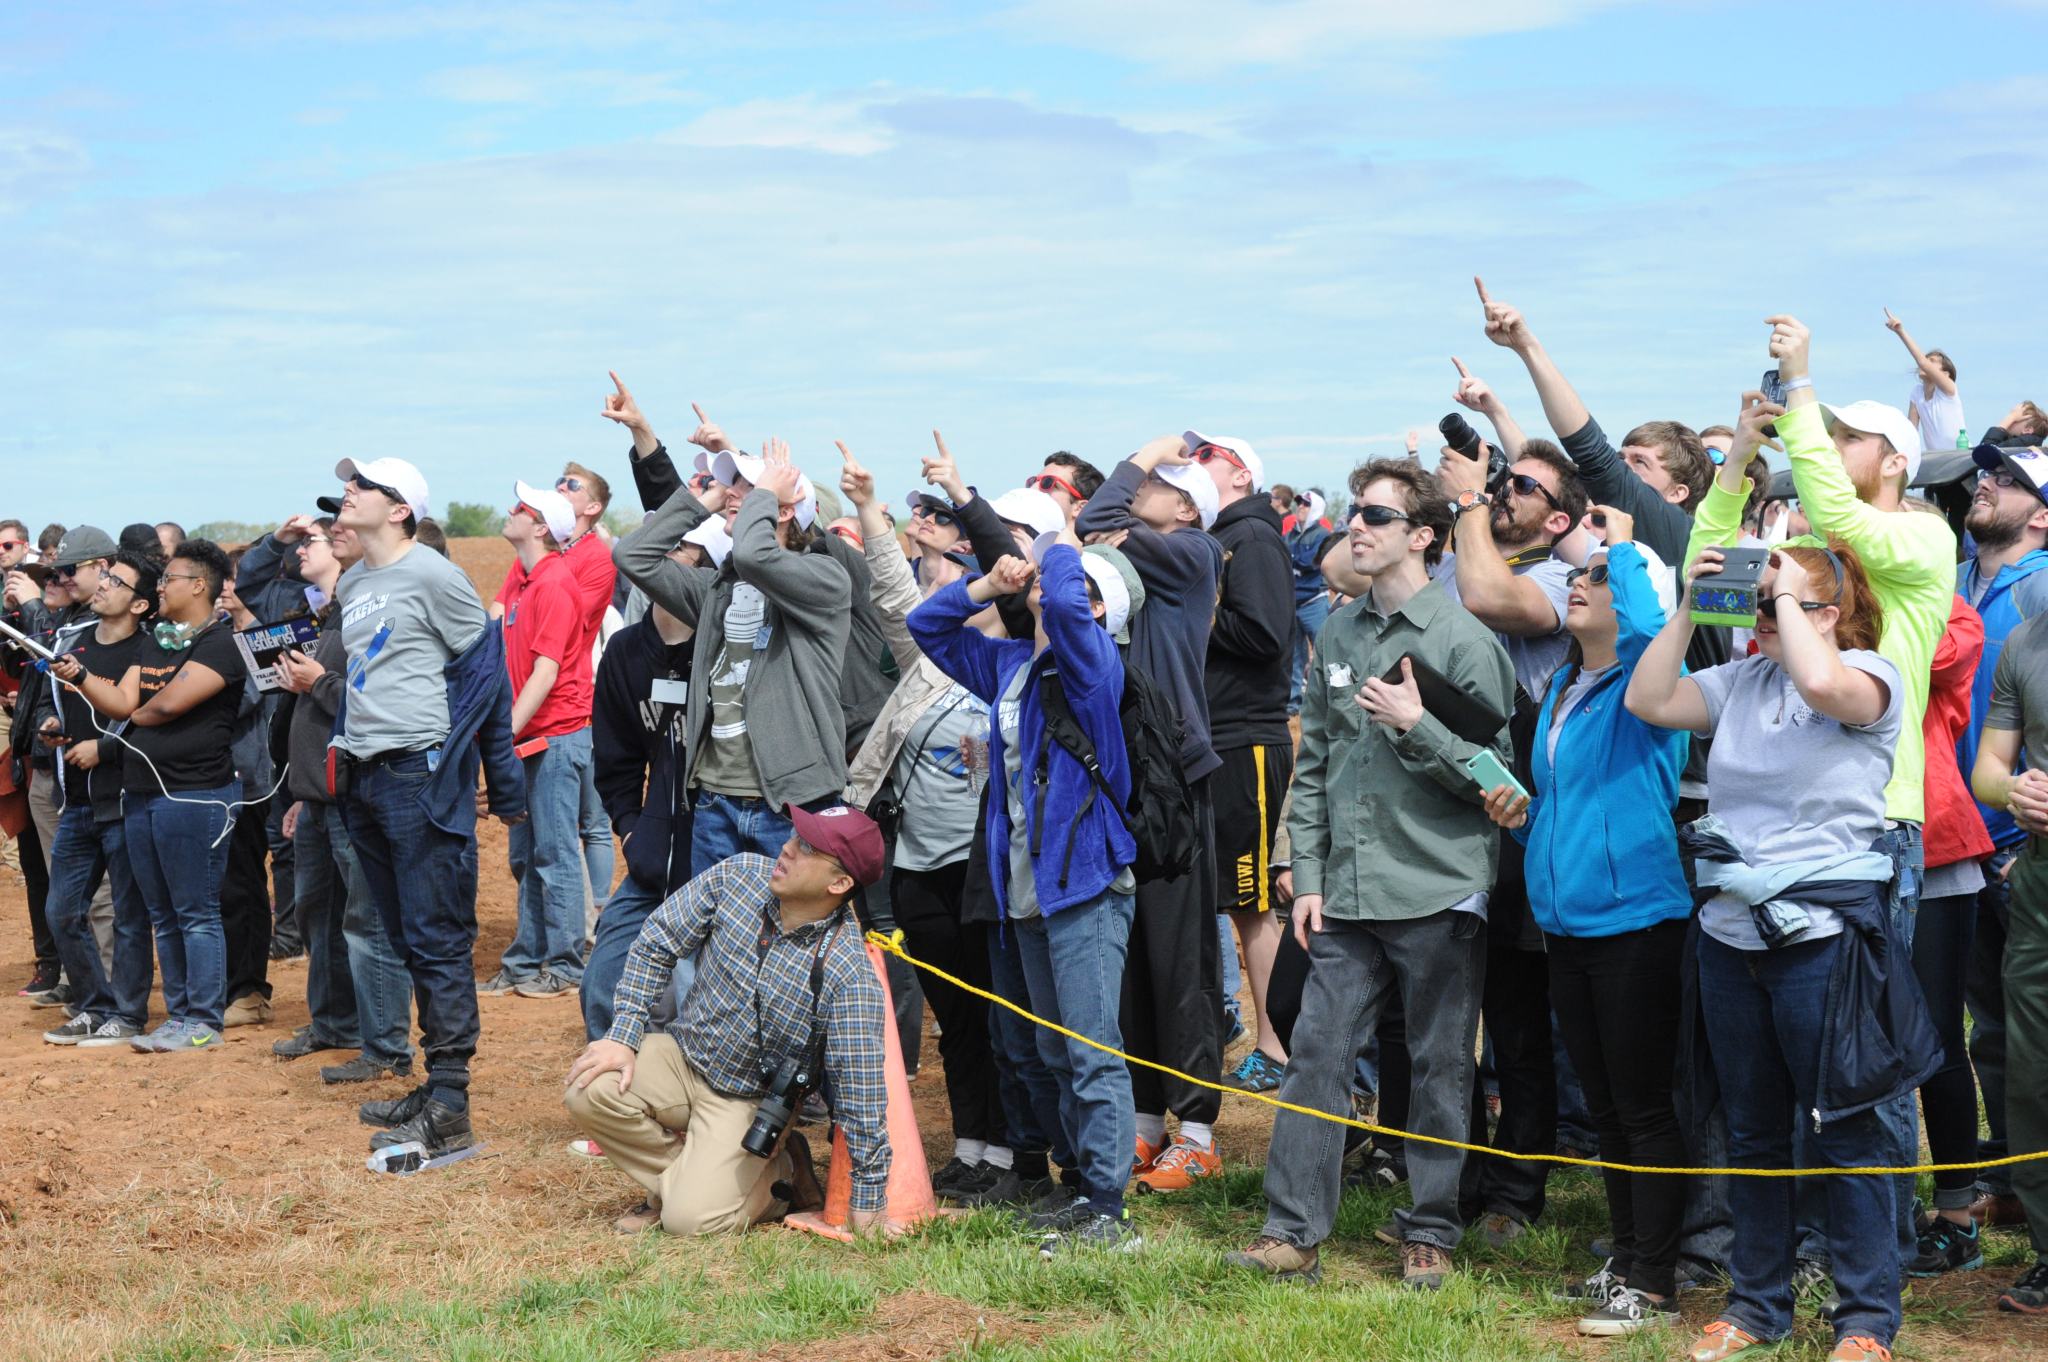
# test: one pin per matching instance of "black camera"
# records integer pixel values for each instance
(787, 1087)
(1459, 435)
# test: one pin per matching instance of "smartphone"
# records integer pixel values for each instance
(1773, 389)
(1487, 769)
(1729, 596)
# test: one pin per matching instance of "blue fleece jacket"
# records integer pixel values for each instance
(1079, 830)
(1602, 850)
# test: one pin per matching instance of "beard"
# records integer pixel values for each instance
(1993, 531)
(1515, 532)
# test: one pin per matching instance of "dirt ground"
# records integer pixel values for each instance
(132, 1186)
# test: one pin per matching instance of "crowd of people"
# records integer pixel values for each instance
(1562, 796)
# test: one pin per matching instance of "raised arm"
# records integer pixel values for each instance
(894, 591)
(1929, 370)
(1088, 656)
(642, 557)
(967, 655)
(1659, 692)
(810, 588)
(1487, 586)
(1505, 326)
(1636, 610)
(1473, 394)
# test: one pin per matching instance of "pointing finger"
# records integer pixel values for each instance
(702, 419)
(1480, 284)
(940, 441)
(615, 381)
(1463, 372)
(844, 452)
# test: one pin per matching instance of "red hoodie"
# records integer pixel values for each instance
(1954, 830)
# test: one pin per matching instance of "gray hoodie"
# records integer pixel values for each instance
(795, 725)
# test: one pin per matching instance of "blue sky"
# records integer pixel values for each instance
(246, 239)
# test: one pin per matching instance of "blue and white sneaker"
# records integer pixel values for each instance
(1256, 1072)
(163, 1038)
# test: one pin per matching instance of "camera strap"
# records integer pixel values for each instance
(770, 930)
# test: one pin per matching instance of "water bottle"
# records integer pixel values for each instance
(1962, 438)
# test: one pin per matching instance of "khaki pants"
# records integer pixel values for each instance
(42, 807)
(681, 1141)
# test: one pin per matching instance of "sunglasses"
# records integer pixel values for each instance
(1211, 453)
(943, 519)
(388, 493)
(523, 509)
(1303, 501)
(567, 483)
(1376, 516)
(10, 545)
(1769, 609)
(1595, 575)
(1047, 483)
(1527, 486)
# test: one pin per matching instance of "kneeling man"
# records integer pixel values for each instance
(782, 975)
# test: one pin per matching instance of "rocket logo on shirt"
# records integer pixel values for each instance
(358, 667)
(359, 610)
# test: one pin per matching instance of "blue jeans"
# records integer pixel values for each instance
(425, 897)
(1309, 616)
(618, 927)
(320, 888)
(1764, 1012)
(723, 826)
(1233, 977)
(546, 852)
(595, 831)
(178, 849)
(85, 852)
(1074, 964)
(383, 989)
(1024, 1085)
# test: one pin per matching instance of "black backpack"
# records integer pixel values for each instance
(1160, 813)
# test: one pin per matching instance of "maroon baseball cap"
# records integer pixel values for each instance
(845, 834)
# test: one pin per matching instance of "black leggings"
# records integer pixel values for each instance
(1617, 1005)
(1942, 939)
(927, 907)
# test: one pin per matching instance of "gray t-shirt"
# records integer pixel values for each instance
(726, 763)
(402, 624)
(1789, 783)
(1534, 656)
(929, 781)
(1009, 709)
(2019, 688)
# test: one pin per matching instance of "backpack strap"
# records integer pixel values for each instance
(1063, 728)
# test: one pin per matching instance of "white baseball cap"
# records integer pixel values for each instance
(728, 468)
(400, 476)
(1036, 511)
(1194, 481)
(1662, 577)
(1316, 506)
(1253, 464)
(555, 511)
(1109, 584)
(710, 536)
(1875, 418)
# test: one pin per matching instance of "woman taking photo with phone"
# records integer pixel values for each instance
(1804, 1022)
(1607, 889)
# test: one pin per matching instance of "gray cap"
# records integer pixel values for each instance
(82, 544)
(1133, 583)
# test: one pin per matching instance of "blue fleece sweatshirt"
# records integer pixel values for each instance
(1091, 674)
(1602, 850)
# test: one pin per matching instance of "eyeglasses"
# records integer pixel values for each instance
(109, 579)
(170, 577)
(1046, 482)
(1998, 477)
(1376, 516)
(1527, 486)
(1595, 575)
(1769, 609)
(315, 539)
(943, 519)
(568, 483)
(1210, 453)
(807, 849)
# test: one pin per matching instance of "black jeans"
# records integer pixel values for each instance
(1516, 1009)
(35, 873)
(1173, 984)
(1617, 1005)
(1948, 1100)
(1984, 989)
(927, 905)
(245, 903)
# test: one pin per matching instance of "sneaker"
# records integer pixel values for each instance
(1424, 1266)
(437, 1128)
(1179, 1167)
(1236, 1032)
(110, 1032)
(1256, 1072)
(363, 1069)
(1814, 1279)
(1629, 1311)
(2028, 1295)
(1060, 1217)
(195, 1036)
(1004, 1188)
(1377, 1169)
(1860, 1348)
(303, 1042)
(59, 994)
(586, 1148)
(248, 1010)
(546, 984)
(1721, 1341)
(150, 1042)
(1993, 1209)
(395, 1111)
(1143, 1159)
(498, 985)
(946, 1182)
(282, 950)
(1100, 1230)
(1278, 1259)
(73, 1031)
(1946, 1246)
(1597, 1287)
(1500, 1229)
(42, 981)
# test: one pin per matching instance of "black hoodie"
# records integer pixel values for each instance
(1252, 641)
(638, 754)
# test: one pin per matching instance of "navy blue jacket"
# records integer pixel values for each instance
(638, 755)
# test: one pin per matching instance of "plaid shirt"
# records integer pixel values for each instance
(730, 912)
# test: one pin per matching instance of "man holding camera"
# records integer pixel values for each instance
(784, 996)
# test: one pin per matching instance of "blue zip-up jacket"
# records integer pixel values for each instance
(1305, 549)
(1602, 850)
(1078, 831)
(2002, 612)
(479, 734)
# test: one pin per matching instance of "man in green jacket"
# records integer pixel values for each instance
(1393, 859)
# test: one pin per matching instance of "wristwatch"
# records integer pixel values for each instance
(1467, 500)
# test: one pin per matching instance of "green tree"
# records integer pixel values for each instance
(469, 520)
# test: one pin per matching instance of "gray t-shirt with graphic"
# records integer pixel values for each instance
(930, 782)
(402, 624)
(1534, 656)
(726, 763)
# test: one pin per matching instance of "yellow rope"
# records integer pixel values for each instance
(893, 944)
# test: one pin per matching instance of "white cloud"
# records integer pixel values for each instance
(483, 85)
(842, 127)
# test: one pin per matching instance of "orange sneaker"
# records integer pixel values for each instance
(1722, 1341)
(1860, 1348)
(1179, 1166)
(1148, 1154)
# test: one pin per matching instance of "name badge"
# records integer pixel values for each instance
(667, 692)
(1340, 676)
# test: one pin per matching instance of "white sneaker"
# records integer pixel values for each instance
(110, 1032)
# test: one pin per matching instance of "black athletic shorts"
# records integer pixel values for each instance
(1247, 790)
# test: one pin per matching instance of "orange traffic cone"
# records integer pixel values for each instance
(910, 1179)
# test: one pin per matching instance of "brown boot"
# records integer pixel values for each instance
(800, 1191)
(643, 1217)
(1424, 1265)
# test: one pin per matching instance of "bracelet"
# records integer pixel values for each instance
(1784, 596)
(1796, 384)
